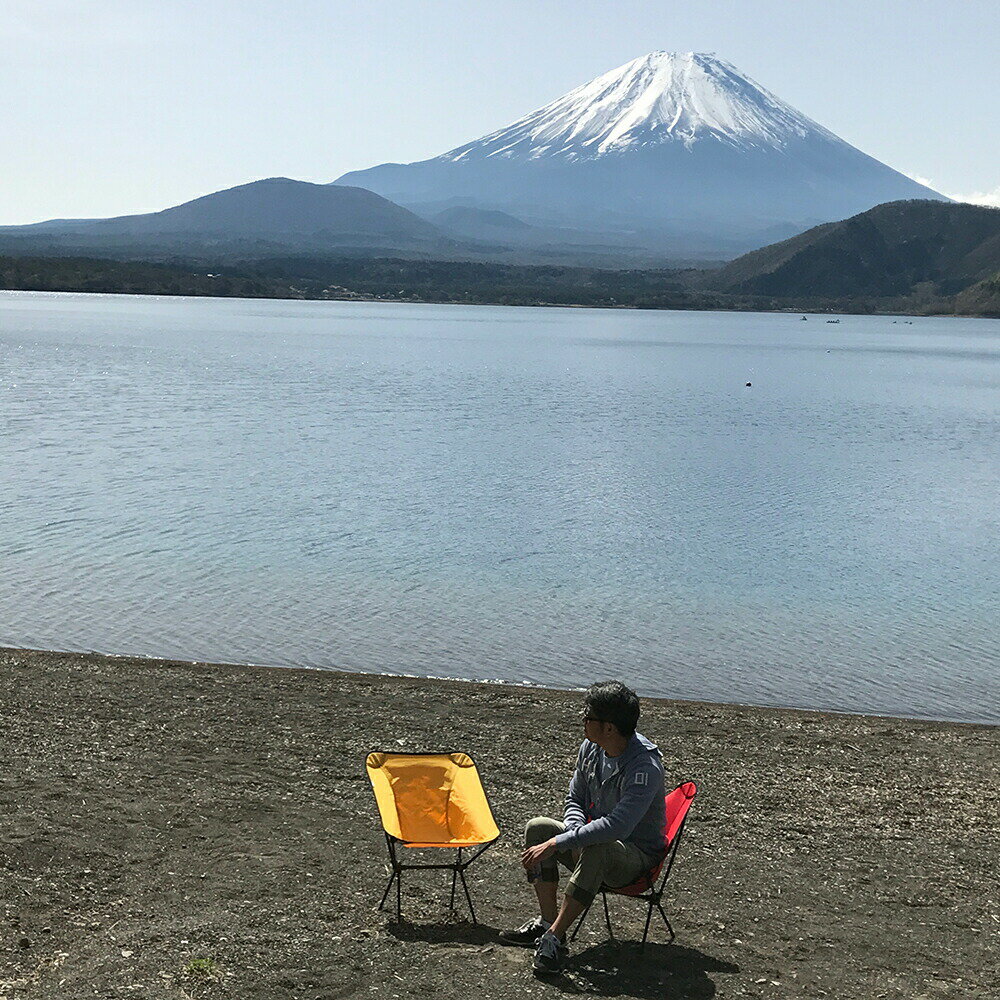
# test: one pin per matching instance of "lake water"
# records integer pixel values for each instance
(541, 495)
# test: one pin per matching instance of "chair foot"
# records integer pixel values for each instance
(468, 898)
(579, 923)
(645, 930)
(670, 929)
(385, 895)
(607, 916)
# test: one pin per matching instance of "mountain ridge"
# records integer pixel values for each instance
(275, 210)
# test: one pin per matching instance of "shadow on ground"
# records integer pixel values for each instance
(610, 969)
(661, 972)
(451, 931)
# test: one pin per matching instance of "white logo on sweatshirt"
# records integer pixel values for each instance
(641, 777)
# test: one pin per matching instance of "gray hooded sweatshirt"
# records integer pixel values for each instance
(616, 798)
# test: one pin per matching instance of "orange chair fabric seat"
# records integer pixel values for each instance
(431, 800)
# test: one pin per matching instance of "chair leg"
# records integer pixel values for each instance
(645, 930)
(454, 880)
(607, 916)
(468, 898)
(579, 923)
(385, 895)
(670, 929)
(399, 896)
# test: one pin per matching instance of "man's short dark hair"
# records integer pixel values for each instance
(612, 701)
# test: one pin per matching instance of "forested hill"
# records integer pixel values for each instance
(459, 282)
(926, 249)
(982, 299)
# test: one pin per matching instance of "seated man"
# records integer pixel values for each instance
(613, 827)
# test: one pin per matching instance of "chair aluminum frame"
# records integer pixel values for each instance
(651, 896)
(457, 869)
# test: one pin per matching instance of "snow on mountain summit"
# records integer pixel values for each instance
(657, 98)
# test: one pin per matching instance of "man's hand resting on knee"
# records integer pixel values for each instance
(536, 855)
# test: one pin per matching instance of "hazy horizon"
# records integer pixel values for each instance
(150, 107)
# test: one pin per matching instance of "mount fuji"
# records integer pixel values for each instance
(674, 152)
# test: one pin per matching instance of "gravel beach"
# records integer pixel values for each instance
(174, 830)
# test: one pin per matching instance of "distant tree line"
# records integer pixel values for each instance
(82, 274)
(401, 280)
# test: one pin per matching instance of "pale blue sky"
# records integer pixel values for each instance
(121, 106)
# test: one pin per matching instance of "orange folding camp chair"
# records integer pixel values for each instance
(677, 803)
(431, 800)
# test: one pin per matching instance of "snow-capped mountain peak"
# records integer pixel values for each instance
(679, 150)
(657, 98)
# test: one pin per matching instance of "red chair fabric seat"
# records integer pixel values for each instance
(644, 884)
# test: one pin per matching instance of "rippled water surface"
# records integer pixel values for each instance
(527, 494)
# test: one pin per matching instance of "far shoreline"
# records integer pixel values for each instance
(376, 300)
(388, 301)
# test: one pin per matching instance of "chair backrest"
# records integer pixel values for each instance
(431, 798)
(677, 804)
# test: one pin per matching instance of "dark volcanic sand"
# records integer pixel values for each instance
(154, 814)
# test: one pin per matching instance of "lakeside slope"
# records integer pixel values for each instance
(181, 830)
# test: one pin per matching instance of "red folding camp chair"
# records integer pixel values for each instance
(677, 804)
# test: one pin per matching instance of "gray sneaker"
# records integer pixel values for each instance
(527, 934)
(550, 954)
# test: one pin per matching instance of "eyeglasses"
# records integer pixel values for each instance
(590, 718)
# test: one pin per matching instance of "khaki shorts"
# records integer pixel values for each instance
(615, 864)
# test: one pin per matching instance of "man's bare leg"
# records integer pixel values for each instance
(546, 893)
(568, 912)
